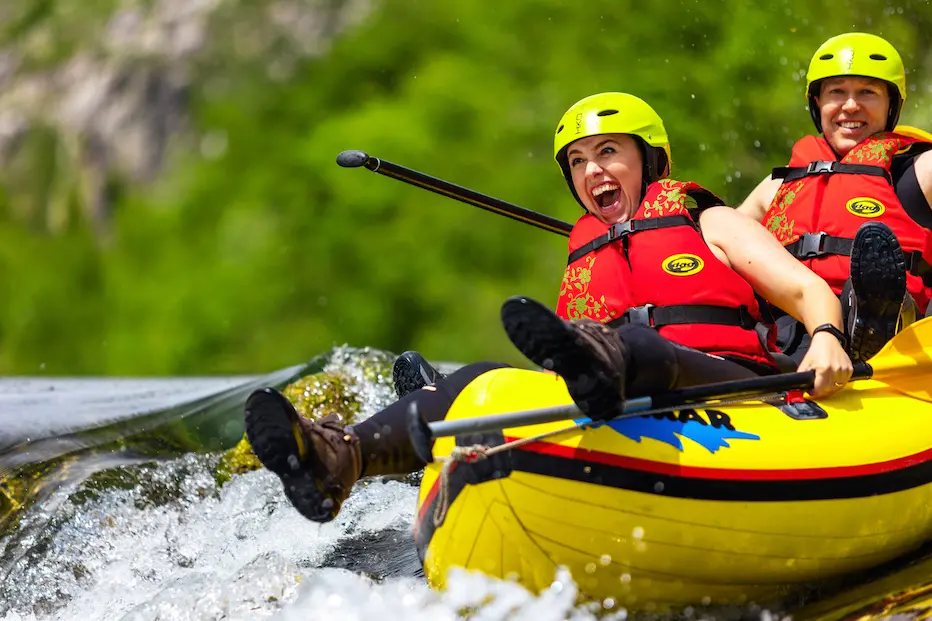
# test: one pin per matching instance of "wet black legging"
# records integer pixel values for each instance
(653, 364)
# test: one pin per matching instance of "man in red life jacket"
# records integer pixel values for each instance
(661, 283)
(854, 202)
(683, 302)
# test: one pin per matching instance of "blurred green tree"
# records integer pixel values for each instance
(193, 221)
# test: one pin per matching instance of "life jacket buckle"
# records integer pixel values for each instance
(819, 167)
(619, 229)
(812, 245)
(643, 315)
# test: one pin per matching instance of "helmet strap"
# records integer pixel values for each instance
(655, 165)
(814, 110)
(896, 105)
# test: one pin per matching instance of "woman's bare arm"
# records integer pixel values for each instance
(757, 203)
(774, 273)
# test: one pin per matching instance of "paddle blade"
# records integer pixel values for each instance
(905, 363)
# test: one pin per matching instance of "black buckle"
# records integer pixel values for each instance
(618, 229)
(812, 244)
(643, 315)
(821, 166)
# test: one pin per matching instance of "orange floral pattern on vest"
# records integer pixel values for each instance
(778, 222)
(670, 200)
(581, 304)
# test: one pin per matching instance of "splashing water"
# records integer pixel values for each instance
(158, 538)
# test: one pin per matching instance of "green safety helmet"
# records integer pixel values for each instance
(857, 54)
(615, 113)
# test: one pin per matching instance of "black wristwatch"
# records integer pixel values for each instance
(838, 334)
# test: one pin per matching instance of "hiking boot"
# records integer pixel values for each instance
(412, 372)
(589, 355)
(317, 461)
(878, 289)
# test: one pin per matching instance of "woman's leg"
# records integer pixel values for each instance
(601, 365)
(383, 438)
(654, 364)
(320, 461)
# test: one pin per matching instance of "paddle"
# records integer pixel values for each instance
(355, 159)
(905, 364)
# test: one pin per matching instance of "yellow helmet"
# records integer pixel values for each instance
(858, 54)
(615, 113)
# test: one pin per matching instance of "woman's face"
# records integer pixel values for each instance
(607, 171)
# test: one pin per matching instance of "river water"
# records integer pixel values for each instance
(126, 520)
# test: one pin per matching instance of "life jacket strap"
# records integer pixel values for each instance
(814, 245)
(622, 229)
(681, 314)
(828, 167)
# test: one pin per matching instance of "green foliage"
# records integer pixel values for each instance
(254, 250)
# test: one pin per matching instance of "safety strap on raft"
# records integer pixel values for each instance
(828, 167)
(814, 245)
(680, 314)
(623, 229)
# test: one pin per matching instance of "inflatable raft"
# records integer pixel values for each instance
(713, 505)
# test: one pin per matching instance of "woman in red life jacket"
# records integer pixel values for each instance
(854, 203)
(660, 287)
(692, 291)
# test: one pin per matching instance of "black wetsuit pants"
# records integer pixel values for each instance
(653, 364)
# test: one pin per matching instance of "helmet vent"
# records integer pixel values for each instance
(606, 112)
(826, 56)
(878, 57)
(560, 129)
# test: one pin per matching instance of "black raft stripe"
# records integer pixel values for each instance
(716, 489)
(618, 477)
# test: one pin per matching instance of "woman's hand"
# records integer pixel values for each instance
(830, 362)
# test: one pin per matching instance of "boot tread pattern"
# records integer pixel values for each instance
(270, 427)
(878, 278)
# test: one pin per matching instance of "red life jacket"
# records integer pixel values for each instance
(822, 202)
(657, 269)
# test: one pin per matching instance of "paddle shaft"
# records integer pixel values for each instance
(354, 159)
(681, 396)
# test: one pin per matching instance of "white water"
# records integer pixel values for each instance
(169, 544)
(242, 554)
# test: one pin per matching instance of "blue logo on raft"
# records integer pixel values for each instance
(712, 430)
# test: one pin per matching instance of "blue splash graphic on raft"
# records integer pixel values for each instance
(712, 431)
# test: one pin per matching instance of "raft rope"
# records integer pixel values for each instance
(479, 452)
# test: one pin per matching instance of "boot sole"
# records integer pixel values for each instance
(406, 377)
(878, 278)
(546, 341)
(271, 425)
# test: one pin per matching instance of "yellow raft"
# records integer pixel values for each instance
(718, 505)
